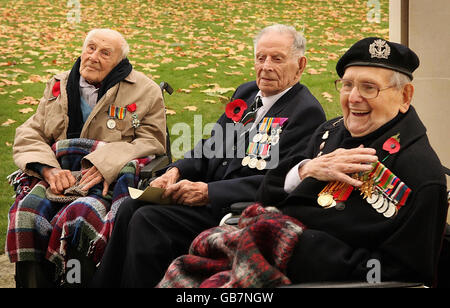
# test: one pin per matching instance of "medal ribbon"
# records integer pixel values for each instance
(117, 112)
(392, 186)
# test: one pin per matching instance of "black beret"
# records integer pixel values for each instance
(374, 51)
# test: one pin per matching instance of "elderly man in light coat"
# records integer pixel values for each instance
(102, 98)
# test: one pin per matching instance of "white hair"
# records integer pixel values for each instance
(299, 41)
(125, 48)
(398, 79)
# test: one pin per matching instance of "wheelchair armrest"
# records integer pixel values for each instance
(235, 211)
(239, 207)
(149, 170)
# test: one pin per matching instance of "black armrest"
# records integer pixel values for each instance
(239, 207)
(156, 164)
(234, 213)
(148, 172)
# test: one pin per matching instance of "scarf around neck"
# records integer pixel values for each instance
(117, 74)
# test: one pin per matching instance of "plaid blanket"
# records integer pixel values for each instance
(254, 254)
(39, 228)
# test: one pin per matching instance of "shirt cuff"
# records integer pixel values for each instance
(293, 179)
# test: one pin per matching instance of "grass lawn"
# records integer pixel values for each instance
(204, 49)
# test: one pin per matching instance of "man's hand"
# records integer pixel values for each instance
(337, 165)
(92, 177)
(170, 177)
(188, 193)
(58, 179)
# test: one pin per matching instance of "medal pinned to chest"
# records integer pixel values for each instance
(258, 150)
(119, 113)
(385, 192)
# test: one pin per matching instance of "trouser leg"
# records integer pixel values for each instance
(35, 274)
(156, 236)
(109, 272)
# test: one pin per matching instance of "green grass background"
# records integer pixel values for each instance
(194, 45)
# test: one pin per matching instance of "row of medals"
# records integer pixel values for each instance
(371, 193)
(252, 160)
(111, 123)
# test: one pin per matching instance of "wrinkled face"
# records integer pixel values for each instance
(363, 116)
(276, 68)
(99, 56)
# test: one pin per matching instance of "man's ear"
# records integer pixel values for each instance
(301, 65)
(407, 93)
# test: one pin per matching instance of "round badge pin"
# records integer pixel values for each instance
(111, 124)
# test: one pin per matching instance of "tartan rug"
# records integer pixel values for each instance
(254, 254)
(39, 228)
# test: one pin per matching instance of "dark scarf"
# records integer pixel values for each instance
(349, 142)
(118, 73)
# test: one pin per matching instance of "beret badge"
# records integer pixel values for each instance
(379, 49)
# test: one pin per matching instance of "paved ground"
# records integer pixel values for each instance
(6, 273)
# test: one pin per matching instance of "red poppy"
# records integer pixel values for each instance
(56, 89)
(392, 145)
(235, 109)
(131, 107)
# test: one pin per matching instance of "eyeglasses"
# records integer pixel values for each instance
(365, 89)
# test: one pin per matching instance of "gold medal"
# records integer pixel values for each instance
(325, 200)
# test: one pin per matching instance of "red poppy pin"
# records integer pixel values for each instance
(235, 109)
(392, 145)
(131, 107)
(56, 90)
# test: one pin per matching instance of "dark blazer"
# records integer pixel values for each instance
(228, 181)
(338, 244)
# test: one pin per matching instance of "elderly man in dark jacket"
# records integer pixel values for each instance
(369, 188)
(147, 238)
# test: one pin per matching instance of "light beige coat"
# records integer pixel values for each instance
(49, 124)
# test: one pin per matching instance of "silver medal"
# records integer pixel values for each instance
(384, 207)
(261, 164)
(245, 161)
(379, 203)
(111, 124)
(253, 162)
(373, 198)
(257, 137)
(391, 211)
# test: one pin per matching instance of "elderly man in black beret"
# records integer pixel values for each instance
(369, 188)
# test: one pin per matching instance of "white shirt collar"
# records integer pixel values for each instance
(269, 101)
